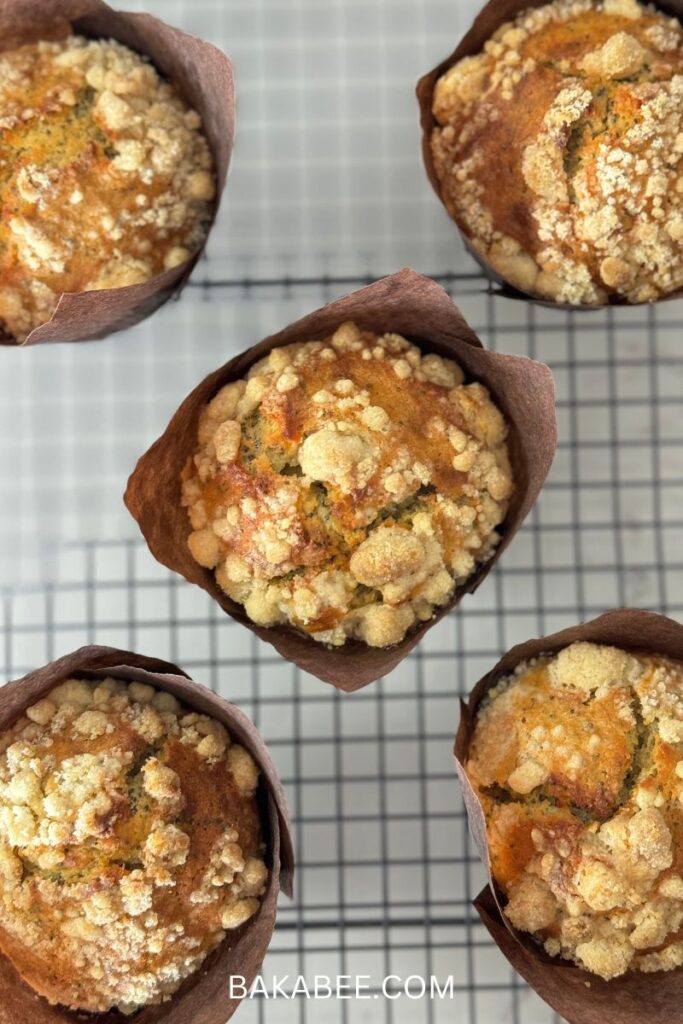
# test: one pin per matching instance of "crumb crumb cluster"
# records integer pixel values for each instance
(578, 762)
(558, 150)
(106, 178)
(347, 486)
(130, 842)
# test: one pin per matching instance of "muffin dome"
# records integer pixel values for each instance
(577, 762)
(347, 486)
(130, 843)
(558, 151)
(106, 179)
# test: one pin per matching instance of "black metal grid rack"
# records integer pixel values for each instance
(386, 868)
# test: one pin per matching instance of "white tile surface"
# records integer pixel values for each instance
(327, 181)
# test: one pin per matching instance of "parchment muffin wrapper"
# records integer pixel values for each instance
(204, 998)
(492, 15)
(577, 995)
(416, 307)
(203, 77)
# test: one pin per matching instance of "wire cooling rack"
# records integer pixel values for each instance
(327, 193)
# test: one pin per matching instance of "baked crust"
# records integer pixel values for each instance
(577, 760)
(558, 151)
(106, 179)
(130, 844)
(347, 486)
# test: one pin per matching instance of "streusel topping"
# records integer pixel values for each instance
(130, 842)
(347, 486)
(106, 178)
(578, 762)
(559, 149)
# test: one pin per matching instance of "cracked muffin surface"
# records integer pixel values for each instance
(558, 151)
(347, 486)
(577, 760)
(106, 178)
(130, 843)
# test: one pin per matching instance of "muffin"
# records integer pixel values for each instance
(106, 177)
(347, 486)
(406, 304)
(131, 842)
(557, 149)
(576, 760)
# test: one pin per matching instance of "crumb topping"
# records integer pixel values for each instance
(106, 178)
(130, 842)
(347, 486)
(579, 105)
(578, 762)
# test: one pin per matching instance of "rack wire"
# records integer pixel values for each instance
(386, 867)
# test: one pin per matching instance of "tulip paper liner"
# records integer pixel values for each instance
(203, 77)
(577, 995)
(492, 15)
(418, 308)
(204, 998)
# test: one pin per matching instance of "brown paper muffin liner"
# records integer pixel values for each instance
(204, 998)
(492, 15)
(580, 997)
(406, 303)
(202, 75)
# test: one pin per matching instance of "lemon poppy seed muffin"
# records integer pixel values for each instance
(558, 151)
(347, 486)
(577, 760)
(130, 844)
(106, 178)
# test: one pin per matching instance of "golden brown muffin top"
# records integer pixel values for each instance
(558, 150)
(105, 176)
(578, 762)
(130, 842)
(347, 486)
